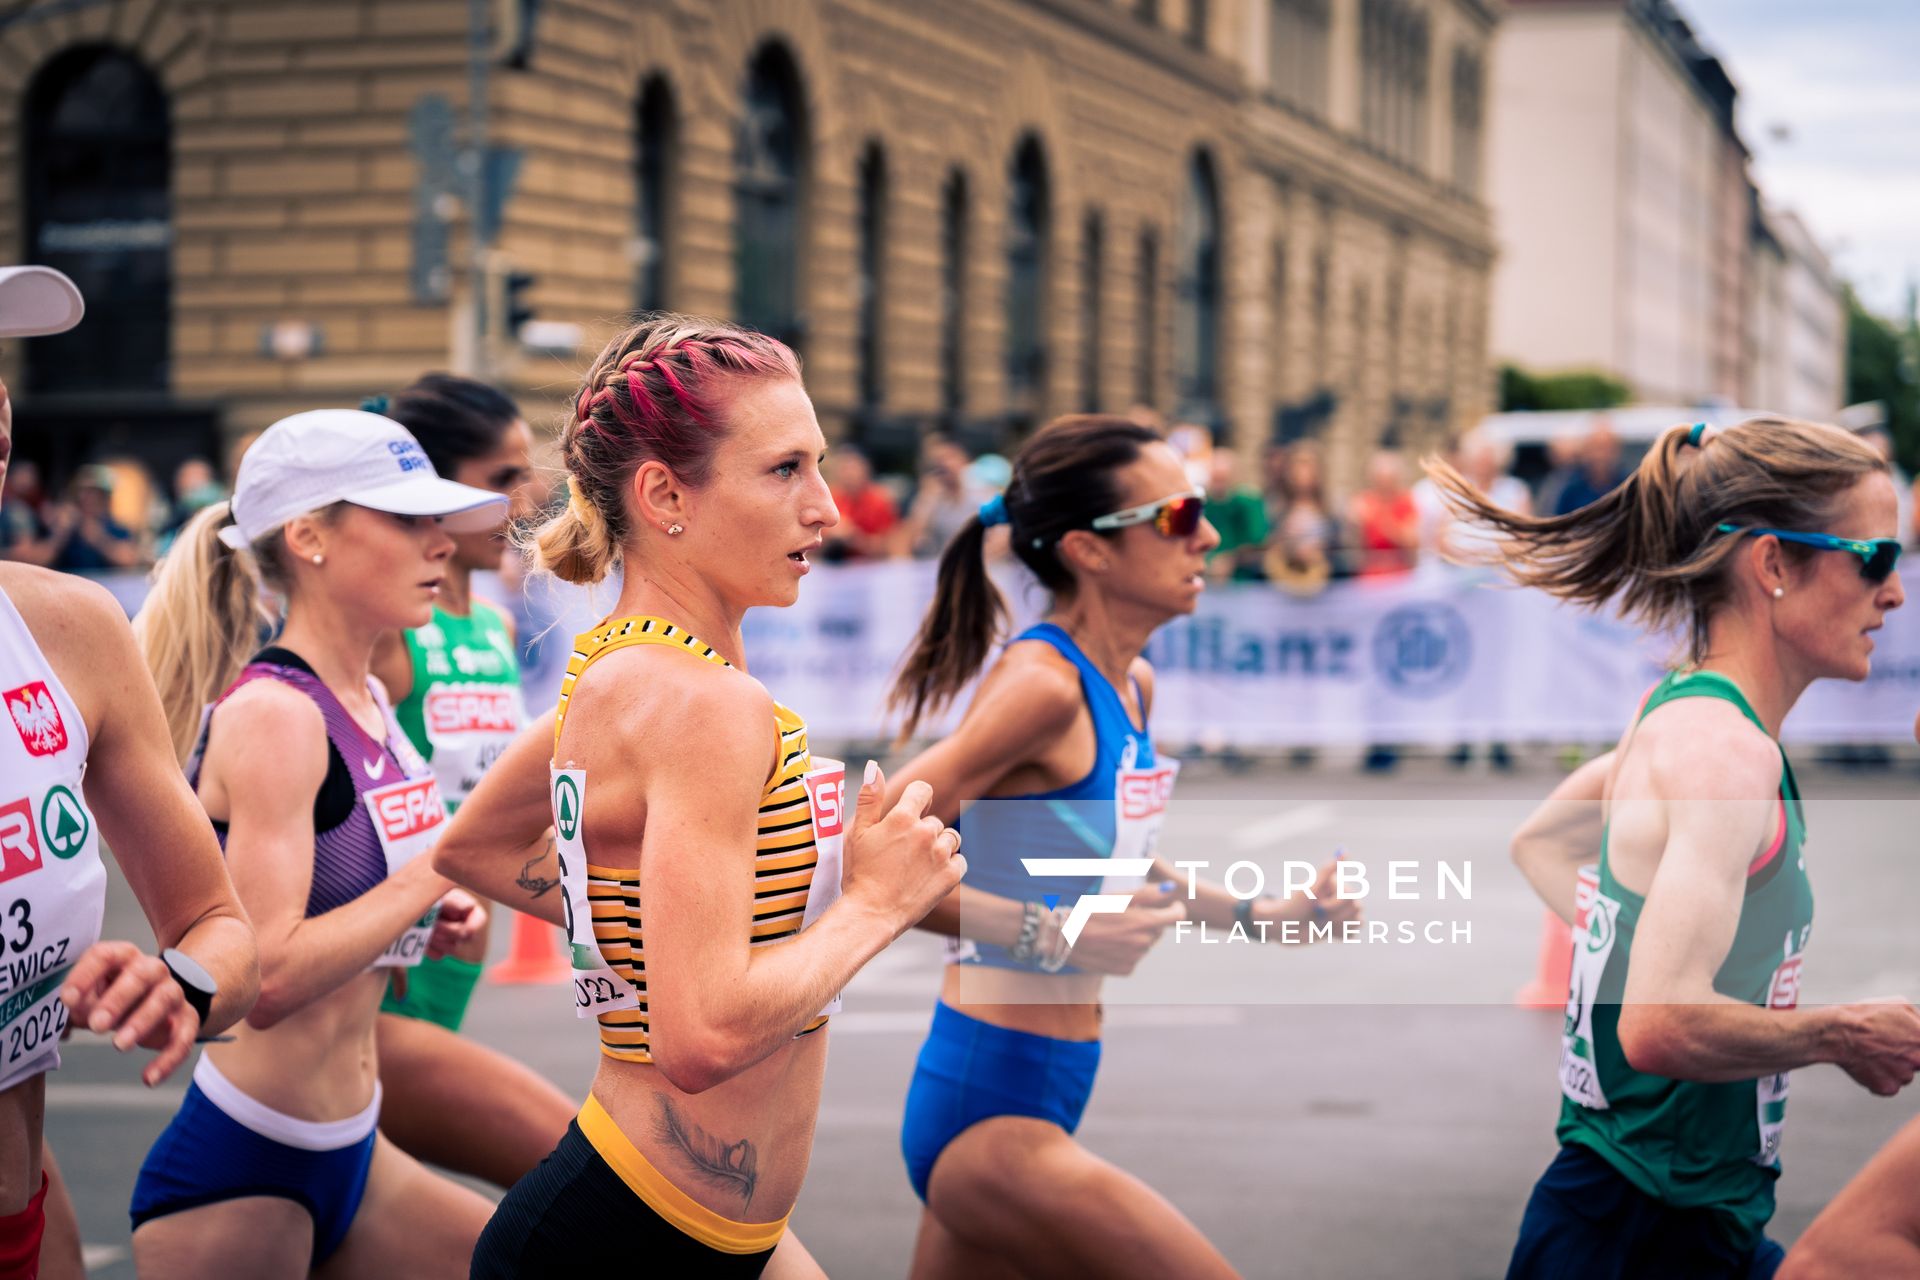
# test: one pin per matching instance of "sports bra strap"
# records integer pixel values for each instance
(624, 633)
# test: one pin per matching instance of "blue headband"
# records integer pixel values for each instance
(994, 511)
(1699, 433)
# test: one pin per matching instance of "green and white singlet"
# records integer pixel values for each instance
(1686, 1143)
(465, 704)
(461, 713)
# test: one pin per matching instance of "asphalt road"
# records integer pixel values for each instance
(1349, 1112)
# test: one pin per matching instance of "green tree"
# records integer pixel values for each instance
(1570, 389)
(1882, 363)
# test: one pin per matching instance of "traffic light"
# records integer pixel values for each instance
(516, 307)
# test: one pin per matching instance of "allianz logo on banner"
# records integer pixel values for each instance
(1444, 656)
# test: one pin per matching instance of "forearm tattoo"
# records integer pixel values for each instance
(723, 1164)
(535, 884)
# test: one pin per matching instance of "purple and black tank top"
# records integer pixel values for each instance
(347, 857)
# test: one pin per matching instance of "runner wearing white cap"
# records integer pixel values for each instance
(78, 704)
(273, 1165)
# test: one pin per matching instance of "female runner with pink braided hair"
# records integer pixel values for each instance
(684, 794)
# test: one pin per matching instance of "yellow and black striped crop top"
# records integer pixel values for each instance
(784, 857)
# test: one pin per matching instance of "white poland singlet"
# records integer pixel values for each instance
(53, 886)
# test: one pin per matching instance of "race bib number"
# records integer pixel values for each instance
(1770, 1102)
(1140, 810)
(470, 726)
(407, 817)
(1595, 926)
(826, 784)
(597, 989)
(52, 898)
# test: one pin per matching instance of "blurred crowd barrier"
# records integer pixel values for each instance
(1441, 657)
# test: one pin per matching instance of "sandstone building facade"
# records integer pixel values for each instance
(1260, 214)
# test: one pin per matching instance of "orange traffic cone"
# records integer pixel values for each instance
(532, 955)
(1548, 990)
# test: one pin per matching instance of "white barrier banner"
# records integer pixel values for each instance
(1443, 656)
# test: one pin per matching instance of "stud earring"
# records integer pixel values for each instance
(673, 529)
(1779, 593)
(318, 558)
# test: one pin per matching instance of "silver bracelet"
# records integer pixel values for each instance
(1055, 958)
(1022, 952)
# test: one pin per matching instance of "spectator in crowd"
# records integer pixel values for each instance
(1563, 460)
(868, 513)
(1432, 510)
(1385, 518)
(944, 501)
(23, 524)
(1240, 516)
(85, 536)
(1300, 550)
(1386, 523)
(1599, 472)
(195, 487)
(1484, 461)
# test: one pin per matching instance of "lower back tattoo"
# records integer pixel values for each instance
(723, 1164)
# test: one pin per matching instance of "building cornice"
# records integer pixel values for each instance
(1158, 45)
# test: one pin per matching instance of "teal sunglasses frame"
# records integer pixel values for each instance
(1878, 556)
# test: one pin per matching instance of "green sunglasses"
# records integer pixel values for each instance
(1877, 555)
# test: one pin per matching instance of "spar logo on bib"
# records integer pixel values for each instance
(1144, 794)
(37, 719)
(64, 823)
(451, 711)
(19, 846)
(829, 795)
(408, 810)
(566, 807)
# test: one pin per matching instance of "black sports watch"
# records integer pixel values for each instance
(195, 982)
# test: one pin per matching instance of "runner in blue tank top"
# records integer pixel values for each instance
(1767, 544)
(1053, 760)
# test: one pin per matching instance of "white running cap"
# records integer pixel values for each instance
(35, 301)
(312, 460)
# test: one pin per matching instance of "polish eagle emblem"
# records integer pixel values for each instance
(37, 718)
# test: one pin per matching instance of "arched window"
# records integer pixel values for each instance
(656, 160)
(871, 283)
(770, 187)
(1146, 297)
(953, 293)
(1196, 318)
(1092, 309)
(99, 207)
(1028, 234)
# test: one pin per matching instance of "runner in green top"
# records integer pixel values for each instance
(455, 687)
(1761, 543)
(464, 706)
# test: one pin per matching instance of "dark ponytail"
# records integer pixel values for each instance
(1063, 477)
(454, 419)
